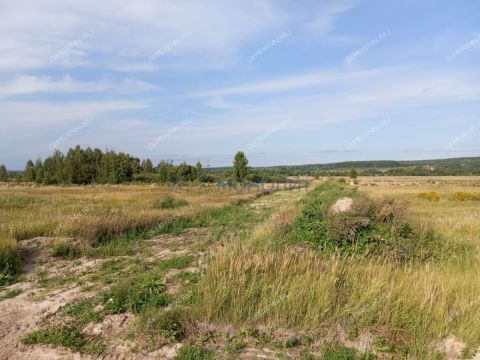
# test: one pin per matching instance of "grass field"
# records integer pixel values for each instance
(91, 215)
(232, 274)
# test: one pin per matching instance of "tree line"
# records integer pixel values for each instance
(93, 166)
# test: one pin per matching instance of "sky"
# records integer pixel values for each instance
(286, 81)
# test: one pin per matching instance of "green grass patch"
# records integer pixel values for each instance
(134, 294)
(10, 263)
(9, 294)
(169, 202)
(82, 311)
(65, 250)
(179, 262)
(194, 352)
(69, 336)
(343, 353)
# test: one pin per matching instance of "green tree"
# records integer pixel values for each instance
(29, 173)
(240, 166)
(38, 168)
(353, 174)
(147, 166)
(199, 170)
(185, 172)
(164, 170)
(3, 173)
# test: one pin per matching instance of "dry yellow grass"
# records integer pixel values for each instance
(86, 212)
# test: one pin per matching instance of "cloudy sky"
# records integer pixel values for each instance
(287, 81)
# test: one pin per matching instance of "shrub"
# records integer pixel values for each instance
(134, 295)
(429, 195)
(169, 202)
(465, 196)
(65, 250)
(369, 227)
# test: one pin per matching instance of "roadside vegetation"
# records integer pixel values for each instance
(406, 284)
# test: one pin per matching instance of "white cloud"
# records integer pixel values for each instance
(293, 82)
(27, 84)
(27, 116)
(33, 32)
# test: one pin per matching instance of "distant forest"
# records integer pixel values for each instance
(94, 166)
(440, 167)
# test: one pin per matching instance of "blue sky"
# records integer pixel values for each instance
(288, 82)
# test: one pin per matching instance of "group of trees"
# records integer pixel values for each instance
(94, 166)
(3, 173)
(88, 166)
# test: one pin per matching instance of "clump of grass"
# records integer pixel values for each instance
(82, 311)
(179, 262)
(9, 260)
(343, 353)
(65, 250)
(69, 336)
(10, 294)
(465, 196)
(170, 324)
(429, 195)
(193, 352)
(169, 202)
(135, 294)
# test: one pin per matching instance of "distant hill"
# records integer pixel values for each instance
(453, 166)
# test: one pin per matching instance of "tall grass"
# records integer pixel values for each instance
(9, 259)
(412, 305)
(95, 213)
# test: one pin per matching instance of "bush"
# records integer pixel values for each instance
(134, 295)
(465, 196)
(65, 250)
(169, 202)
(429, 195)
(369, 227)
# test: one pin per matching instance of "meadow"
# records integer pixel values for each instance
(207, 273)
